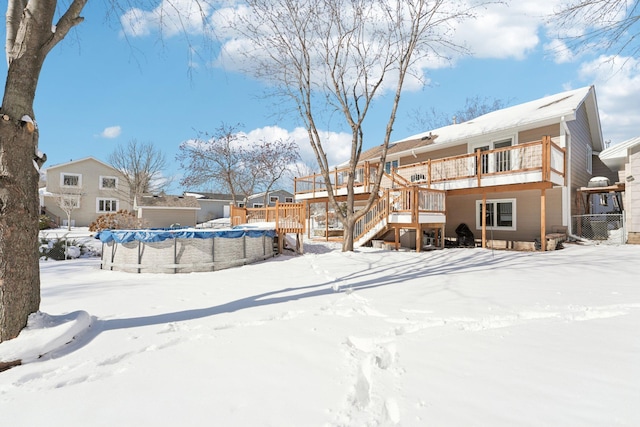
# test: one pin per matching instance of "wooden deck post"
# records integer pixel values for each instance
(397, 238)
(543, 219)
(326, 221)
(484, 220)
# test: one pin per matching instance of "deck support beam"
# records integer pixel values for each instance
(543, 219)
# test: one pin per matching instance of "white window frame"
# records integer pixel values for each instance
(240, 204)
(101, 199)
(65, 174)
(258, 205)
(101, 182)
(273, 199)
(589, 159)
(495, 202)
(288, 199)
(391, 165)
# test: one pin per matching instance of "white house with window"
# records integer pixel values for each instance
(85, 188)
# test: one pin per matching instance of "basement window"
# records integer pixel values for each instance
(501, 214)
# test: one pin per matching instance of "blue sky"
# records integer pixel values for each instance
(99, 89)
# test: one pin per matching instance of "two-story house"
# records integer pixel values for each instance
(87, 187)
(510, 175)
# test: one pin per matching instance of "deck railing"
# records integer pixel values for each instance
(287, 217)
(540, 156)
(412, 200)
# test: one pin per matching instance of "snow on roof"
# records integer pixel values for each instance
(616, 155)
(533, 112)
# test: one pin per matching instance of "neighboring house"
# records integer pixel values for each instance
(163, 211)
(624, 158)
(510, 175)
(90, 187)
(272, 197)
(212, 205)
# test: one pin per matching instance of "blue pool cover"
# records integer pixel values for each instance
(158, 235)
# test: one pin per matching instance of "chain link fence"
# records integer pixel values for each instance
(600, 228)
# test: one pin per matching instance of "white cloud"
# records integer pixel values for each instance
(560, 52)
(111, 132)
(170, 16)
(337, 146)
(617, 81)
(503, 30)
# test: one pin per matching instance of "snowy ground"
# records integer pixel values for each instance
(455, 337)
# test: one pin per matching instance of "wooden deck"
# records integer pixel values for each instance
(287, 218)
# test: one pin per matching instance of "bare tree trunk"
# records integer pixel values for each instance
(19, 261)
(29, 39)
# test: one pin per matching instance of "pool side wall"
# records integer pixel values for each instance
(186, 255)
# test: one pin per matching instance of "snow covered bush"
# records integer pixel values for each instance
(61, 248)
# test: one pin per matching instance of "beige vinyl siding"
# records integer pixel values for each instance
(632, 195)
(462, 209)
(600, 169)
(91, 171)
(537, 133)
(163, 218)
(436, 154)
(580, 141)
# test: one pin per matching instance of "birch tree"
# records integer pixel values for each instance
(342, 56)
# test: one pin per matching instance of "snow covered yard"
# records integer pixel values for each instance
(455, 337)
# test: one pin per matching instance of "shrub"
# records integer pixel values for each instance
(44, 222)
(60, 249)
(119, 220)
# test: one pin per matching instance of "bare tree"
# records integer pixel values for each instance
(33, 29)
(611, 25)
(273, 160)
(473, 107)
(216, 158)
(228, 159)
(142, 166)
(68, 199)
(344, 54)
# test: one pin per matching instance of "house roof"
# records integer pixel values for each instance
(167, 202)
(615, 156)
(209, 196)
(261, 195)
(84, 159)
(540, 112)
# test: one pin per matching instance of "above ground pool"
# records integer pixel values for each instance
(184, 250)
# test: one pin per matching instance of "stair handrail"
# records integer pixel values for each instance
(379, 211)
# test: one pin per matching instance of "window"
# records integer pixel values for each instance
(589, 159)
(501, 214)
(418, 177)
(503, 158)
(240, 204)
(70, 180)
(258, 205)
(389, 166)
(108, 182)
(273, 199)
(106, 205)
(288, 199)
(494, 162)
